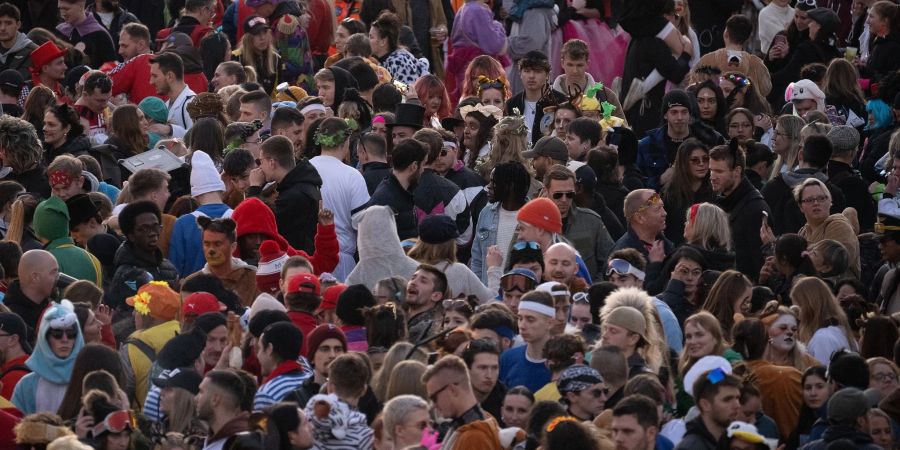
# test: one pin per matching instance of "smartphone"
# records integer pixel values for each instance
(779, 39)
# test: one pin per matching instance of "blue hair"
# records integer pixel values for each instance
(881, 112)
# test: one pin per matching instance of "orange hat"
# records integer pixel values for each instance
(156, 299)
(542, 213)
(45, 54)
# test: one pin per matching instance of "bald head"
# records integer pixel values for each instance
(38, 273)
(560, 263)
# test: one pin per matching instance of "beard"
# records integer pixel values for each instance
(205, 411)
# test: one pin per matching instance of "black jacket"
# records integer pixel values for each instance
(856, 193)
(614, 197)
(130, 269)
(297, 206)
(875, 148)
(98, 46)
(644, 55)
(35, 180)
(860, 439)
(374, 173)
(518, 102)
(697, 437)
(779, 194)
(719, 260)
(29, 311)
(745, 207)
(120, 18)
(674, 297)
(391, 193)
(807, 52)
(77, 146)
(676, 211)
(883, 56)
(709, 17)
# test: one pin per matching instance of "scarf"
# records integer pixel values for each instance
(85, 27)
(283, 369)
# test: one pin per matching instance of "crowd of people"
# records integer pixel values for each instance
(449, 224)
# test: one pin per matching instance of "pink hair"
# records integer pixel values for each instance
(483, 65)
(430, 85)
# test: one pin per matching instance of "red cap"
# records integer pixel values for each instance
(304, 282)
(45, 54)
(330, 297)
(200, 303)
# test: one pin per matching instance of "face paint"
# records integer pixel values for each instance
(782, 332)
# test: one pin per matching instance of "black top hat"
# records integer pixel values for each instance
(449, 123)
(408, 115)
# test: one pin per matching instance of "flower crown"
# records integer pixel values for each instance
(142, 300)
(553, 423)
(738, 80)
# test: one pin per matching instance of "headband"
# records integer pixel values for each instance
(538, 308)
(450, 144)
(484, 110)
(693, 213)
(378, 119)
(506, 332)
(58, 177)
(312, 107)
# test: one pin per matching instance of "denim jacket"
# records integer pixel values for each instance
(485, 236)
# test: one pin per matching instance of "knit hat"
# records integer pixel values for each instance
(628, 318)
(844, 138)
(304, 282)
(81, 209)
(266, 302)
(182, 350)
(268, 271)
(702, 366)
(351, 302)
(849, 369)
(51, 219)
(438, 229)
(204, 176)
(200, 303)
(676, 97)
(330, 297)
(577, 378)
(320, 334)
(827, 19)
(210, 321)
(847, 405)
(542, 213)
(298, 94)
(808, 90)
(156, 299)
(155, 109)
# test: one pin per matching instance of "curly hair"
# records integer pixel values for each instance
(19, 144)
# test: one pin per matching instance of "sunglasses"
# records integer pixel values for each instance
(522, 245)
(581, 298)
(516, 282)
(597, 393)
(57, 333)
(559, 195)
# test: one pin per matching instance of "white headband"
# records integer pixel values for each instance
(312, 107)
(450, 144)
(538, 308)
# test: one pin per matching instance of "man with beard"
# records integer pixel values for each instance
(287, 122)
(15, 47)
(14, 351)
(219, 404)
(29, 295)
(325, 343)
(507, 192)
(396, 191)
(424, 292)
(167, 76)
(635, 423)
(718, 397)
(83, 31)
(48, 67)
(548, 151)
(583, 391)
(132, 77)
(112, 16)
(744, 204)
(560, 264)
(483, 360)
(218, 245)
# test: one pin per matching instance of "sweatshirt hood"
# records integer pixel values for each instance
(43, 361)
(375, 241)
(252, 216)
(21, 42)
(51, 219)
(304, 172)
(188, 53)
(794, 178)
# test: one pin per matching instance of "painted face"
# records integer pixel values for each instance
(217, 248)
(782, 332)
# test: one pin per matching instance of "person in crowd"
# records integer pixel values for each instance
(883, 25)
(17, 47)
(636, 423)
(127, 131)
(718, 404)
(523, 365)
(689, 186)
(132, 76)
(302, 297)
(278, 350)
(405, 420)
(482, 358)
(371, 151)
(848, 420)
(21, 151)
(59, 340)
(83, 30)
(167, 77)
(256, 49)
(348, 380)
(738, 31)
(63, 133)
(782, 328)
(820, 47)
(711, 104)
(426, 289)
(508, 188)
(628, 322)
(220, 404)
(707, 230)
(29, 295)
(845, 142)
(384, 39)
(219, 243)
(325, 343)
(380, 255)
(646, 216)
(15, 353)
(583, 391)
(814, 197)
(824, 327)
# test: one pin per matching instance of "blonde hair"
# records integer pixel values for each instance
(711, 325)
(790, 125)
(819, 308)
(730, 285)
(652, 352)
(394, 356)
(711, 229)
(406, 379)
(248, 54)
(798, 190)
(183, 411)
(67, 164)
(510, 139)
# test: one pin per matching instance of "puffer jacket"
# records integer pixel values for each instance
(131, 268)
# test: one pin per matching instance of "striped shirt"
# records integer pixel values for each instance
(278, 388)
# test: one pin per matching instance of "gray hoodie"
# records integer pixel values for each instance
(380, 253)
(19, 56)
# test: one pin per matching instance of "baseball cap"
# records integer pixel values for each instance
(186, 379)
(12, 79)
(199, 303)
(304, 282)
(550, 146)
(12, 324)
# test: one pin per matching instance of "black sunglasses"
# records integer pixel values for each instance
(57, 333)
(559, 195)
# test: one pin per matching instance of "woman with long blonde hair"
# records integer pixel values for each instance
(786, 143)
(406, 379)
(823, 324)
(257, 50)
(397, 353)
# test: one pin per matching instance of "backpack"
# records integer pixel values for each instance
(149, 352)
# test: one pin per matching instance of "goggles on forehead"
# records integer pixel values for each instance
(115, 422)
(622, 267)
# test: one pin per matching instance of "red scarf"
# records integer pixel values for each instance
(282, 369)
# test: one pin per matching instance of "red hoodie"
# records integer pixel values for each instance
(253, 216)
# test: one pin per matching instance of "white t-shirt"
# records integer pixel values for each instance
(343, 190)
(529, 113)
(506, 227)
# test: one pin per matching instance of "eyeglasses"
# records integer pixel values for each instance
(58, 333)
(516, 282)
(883, 377)
(521, 245)
(433, 397)
(816, 199)
(701, 161)
(622, 267)
(599, 392)
(559, 195)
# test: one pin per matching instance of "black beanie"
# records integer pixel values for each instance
(262, 319)
(182, 350)
(676, 97)
(351, 302)
(849, 369)
(210, 321)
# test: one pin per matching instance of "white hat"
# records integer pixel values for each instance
(204, 176)
(808, 90)
(553, 288)
(703, 365)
